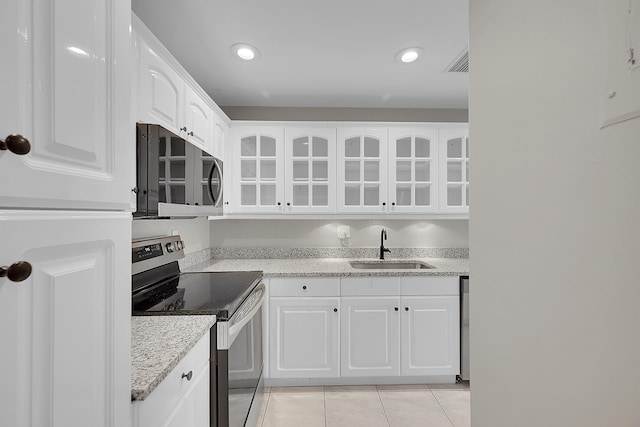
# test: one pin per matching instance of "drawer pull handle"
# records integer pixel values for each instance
(16, 272)
(335, 310)
(304, 287)
(406, 309)
(396, 308)
(188, 375)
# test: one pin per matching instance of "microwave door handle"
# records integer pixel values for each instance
(215, 168)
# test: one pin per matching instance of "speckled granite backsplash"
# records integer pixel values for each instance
(194, 258)
(277, 253)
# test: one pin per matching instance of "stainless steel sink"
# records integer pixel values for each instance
(390, 265)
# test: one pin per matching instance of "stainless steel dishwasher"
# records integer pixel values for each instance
(464, 328)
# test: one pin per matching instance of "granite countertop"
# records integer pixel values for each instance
(158, 343)
(326, 267)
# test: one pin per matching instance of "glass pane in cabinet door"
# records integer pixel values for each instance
(454, 195)
(320, 147)
(268, 170)
(454, 172)
(371, 171)
(320, 196)
(300, 195)
(247, 169)
(403, 195)
(403, 147)
(320, 170)
(267, 194)
(403, 171)
(177, 194)
(352, 171)
(423, 171)
(422, 148)
(162, 193)
(301, 147)
(300, 170)
(177, 147)
(162, 146)
(371, 147)
(467, 175)
(466, 147)
(248, 146)
(161, 169)
(176, 170)
(352, 195)
(454, 148)
(248, 195)
(205, 154)
(352, 147)
(467, 190)
(371, 195)
(267, 146)
(423, 195)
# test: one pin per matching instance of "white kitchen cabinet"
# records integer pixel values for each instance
(370, 336)
(454, 170)
(362, 170)
(304, 335)
(310, 170)
(65, 330)
(182, 398)
(258, 170)
(65, 82)
(413, 170)
(430, 335)
(166, 97)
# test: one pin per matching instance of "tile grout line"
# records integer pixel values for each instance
(324, 405)
(266, 407)
(384, 411)
(440, 404)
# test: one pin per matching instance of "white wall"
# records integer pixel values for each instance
(320, 234)
(554, 225)
(194, 232)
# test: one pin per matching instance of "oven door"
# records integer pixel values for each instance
(240, 390)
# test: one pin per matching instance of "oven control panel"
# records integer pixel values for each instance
(150, 253)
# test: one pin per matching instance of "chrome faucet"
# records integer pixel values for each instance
(383, 237)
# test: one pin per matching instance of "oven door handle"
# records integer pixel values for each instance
(252, 306)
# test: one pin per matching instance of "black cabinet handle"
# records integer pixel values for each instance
(190, 133)
(288, 204)
(16, 272)
(279, 203)
(384, 204)
(17, 144)
(188, 375)
(304, 287)
(393, 203)
(396, 308)
(183, 129)
(406, 309)
(135, 190)
(335, 310)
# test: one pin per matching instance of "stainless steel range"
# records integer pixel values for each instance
(236, 298)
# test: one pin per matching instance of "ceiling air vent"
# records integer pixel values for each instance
(460, 64)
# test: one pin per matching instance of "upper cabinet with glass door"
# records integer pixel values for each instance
(310, 168)
(413, 170)
(454, 170)
(258, 170)
(362, 170)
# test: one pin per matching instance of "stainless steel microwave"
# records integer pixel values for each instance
(174, 177)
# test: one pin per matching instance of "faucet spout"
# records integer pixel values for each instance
(383, 237)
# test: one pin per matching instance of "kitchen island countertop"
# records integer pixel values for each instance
(158, 343)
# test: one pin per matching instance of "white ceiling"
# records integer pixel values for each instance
(328, 53)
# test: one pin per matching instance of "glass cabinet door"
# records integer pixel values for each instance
(173, 169)
(310, 170)
(413, 154)
(258, 174)
(362, 171)
(454, 170)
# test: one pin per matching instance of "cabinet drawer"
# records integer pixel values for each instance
(304, 287)
(370, 286)
(430, 286)
(155, 409)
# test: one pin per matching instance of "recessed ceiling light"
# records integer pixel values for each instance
(245, 51)
(408, 55)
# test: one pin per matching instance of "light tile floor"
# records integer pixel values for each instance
(442, 405)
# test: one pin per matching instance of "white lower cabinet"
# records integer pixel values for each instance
(182, 398)
(378, 327)
(304, 330)
(65, 358)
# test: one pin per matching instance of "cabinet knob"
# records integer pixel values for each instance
(396, 308)
(226, 203)
(406, 309)
(183, 129)
(393, 203)
(17, 144)
(304, 287)
(384, 204)
(190, 133)
(335, 310)
(135, 190)
(279, 203)
(288, 204)
(16, 272)
(188, 375)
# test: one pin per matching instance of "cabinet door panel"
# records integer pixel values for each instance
(66, 84)
(66, 328)
(370, 336)
(199, 120)
(454, 170)
(430, 336)
(304, 337)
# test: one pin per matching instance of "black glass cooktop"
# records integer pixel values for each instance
(219, 293)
